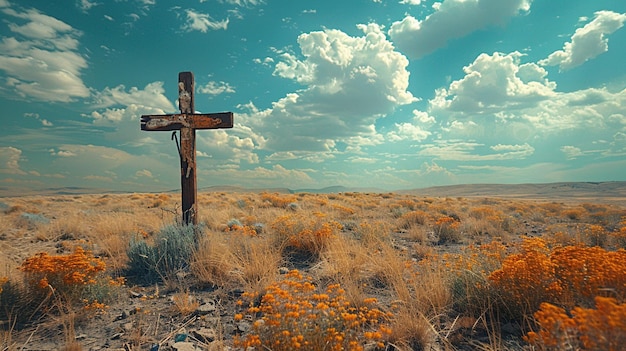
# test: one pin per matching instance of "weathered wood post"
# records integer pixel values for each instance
(187, 121)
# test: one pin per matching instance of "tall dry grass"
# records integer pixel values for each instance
(427, 261)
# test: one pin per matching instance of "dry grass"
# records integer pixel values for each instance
(426, 260)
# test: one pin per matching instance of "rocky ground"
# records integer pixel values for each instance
(201, 317)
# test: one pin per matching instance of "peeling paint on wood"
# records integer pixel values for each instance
(187, 122)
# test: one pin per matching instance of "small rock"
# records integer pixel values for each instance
(243, 326)
(236, 292)
(206, 335)
(122, 316)
(283, 270)
(510, 328)
(206, 307)
(129, 326)
(183, 346)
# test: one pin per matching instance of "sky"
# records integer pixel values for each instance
(394, 95)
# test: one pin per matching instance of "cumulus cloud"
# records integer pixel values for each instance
(472, 151)
(202, 22)
(10, 160)
(566, 111)
(587, 42)
(571, 152)
(496, 82)
(61, 153)
(349, 82)
(215, 88)
(414, 131)
(152, 95)
(499, 87)
(243, 2)
(617, 146)
(86, 5)
(451, 19)
(143, 173)
(41, 60)
(228, 147)
(44, 122)
(261, 176)
(101, 163)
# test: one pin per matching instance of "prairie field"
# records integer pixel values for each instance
(304, 271)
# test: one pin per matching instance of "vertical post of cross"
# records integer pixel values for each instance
(187, 149)
(187, 121)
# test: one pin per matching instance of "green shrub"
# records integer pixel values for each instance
(171, 253)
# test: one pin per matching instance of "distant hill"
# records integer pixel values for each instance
(340, 189)
(613, 192)
(580, 191)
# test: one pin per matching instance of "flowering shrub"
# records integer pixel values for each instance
(295, 316)
(619, 235)
(309, 235)
(602, 328)
(75, 277)
(62, 272)
(412, 218)
(446, 229)
(276, 200)
(570, 275)
(467, 272)
(596, 235)
(246, 230)
(343, 210)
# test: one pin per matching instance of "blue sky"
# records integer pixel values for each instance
(371, 93)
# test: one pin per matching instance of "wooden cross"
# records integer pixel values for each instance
(187, 121)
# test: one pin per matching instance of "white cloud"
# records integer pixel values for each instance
(349, 82)
(61, 153)
(152, 95)
(202, 22)
(144, 173)
(452, 19)
(587, 42)
(227, 147)
(472, 151)
(10, 160)
(571, 152)
(617, 147)
(41, 62)
(408, 131)
(495, 83)
(90, 160)
(265, 62)
(411, 2)
(243, 2)
(86, 5)
(261, 176)
(584, 109)
(414, 131)
(36, 116)
(520, 101)
(215, 88)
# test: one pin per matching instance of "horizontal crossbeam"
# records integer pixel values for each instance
(185, 120)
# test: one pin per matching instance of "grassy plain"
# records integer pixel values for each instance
(279, 271)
